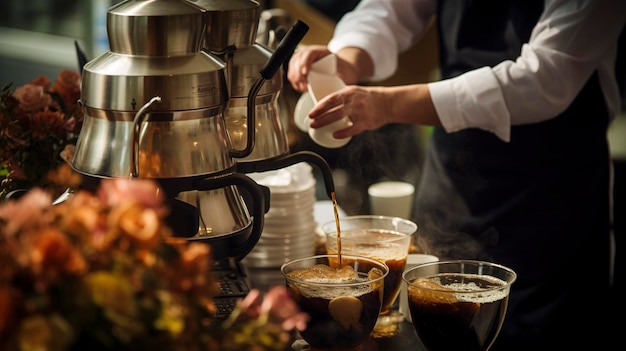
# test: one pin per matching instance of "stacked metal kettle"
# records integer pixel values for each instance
(155, 108)
(253, 115)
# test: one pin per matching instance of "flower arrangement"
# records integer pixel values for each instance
(101, 271)
(37, 122)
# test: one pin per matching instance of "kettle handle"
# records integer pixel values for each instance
(139, 117)
(284, 49)
(260, 199)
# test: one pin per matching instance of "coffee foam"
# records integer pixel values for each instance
(331, 292)
(376, 243)
(471, 292)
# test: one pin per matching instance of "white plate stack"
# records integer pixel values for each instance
(289, 227)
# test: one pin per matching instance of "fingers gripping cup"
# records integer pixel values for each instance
(342, 301)
(322, 80)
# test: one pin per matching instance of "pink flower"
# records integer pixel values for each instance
(36, 122)
(146, 193)
(32, 97)
(251, 305)
(281, 307)
(26, 212)
(277, 305)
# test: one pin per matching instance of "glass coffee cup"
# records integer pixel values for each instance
(342, 300)
(458, 305)
(384, 238)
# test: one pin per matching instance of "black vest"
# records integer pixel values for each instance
(538, 203)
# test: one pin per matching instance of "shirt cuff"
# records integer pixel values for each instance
(472, 100)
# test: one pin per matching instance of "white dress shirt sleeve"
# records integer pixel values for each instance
(571, 40)
(383, 29)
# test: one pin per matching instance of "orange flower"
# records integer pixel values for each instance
(67, 86)
(53, 255)
(64, 175)
(82, 220)
(196, 263)
(41, 81)
(196, 257)
(141, 225)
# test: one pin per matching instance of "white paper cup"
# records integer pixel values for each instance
(301, 111)
(323, 80)
(412, 260)
(322, 136)
(391, 199)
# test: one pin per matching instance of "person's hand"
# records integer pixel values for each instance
(366, 107)
(300, 64)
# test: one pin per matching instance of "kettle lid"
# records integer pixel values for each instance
(155, 27)
(229, 23)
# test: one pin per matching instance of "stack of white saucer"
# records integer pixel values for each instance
(289, 227)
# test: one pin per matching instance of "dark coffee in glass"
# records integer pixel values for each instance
(343, 303)
(458, 305)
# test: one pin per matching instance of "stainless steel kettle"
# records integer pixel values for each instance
(250, 114)
(154, 97)
(154, 108)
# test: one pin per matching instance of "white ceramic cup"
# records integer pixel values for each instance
(391, 199)
(412, 260)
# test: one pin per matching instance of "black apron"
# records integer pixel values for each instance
(538, 204)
